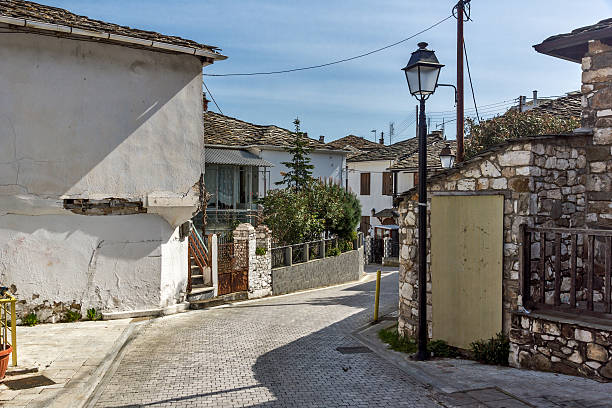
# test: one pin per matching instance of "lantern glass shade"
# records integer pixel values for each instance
(447, 158)
(422, 79)
(422, 72)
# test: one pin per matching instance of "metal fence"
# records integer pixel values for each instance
(288, 255)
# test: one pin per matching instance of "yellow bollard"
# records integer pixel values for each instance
(377, 296)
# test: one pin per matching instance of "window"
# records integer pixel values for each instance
(365, 184)
(387, 183)
(210, 184)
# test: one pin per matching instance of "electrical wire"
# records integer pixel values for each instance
(284, 71)
(212, 97)
(467, 63)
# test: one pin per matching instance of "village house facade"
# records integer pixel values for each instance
(249, 162)
(100, 160)
(519, 236)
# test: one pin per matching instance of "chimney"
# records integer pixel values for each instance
(205, 102)
(382, 138)
(535, 98)
(322, 139)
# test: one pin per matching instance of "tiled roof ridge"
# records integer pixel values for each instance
(55, 15)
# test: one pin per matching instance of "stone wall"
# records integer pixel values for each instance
(346, 267)
(260, 281)
(565, 346)
(597, 115)
(542, 180)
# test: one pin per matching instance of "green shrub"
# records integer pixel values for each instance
(92, 314)
(30, 320)
(260, 251)
(72, 316)
(440, 348)
(396, 341)
(301, 215)
(345, 246)
(333, 252)
(492, 351)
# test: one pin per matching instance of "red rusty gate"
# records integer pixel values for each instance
(233, 268)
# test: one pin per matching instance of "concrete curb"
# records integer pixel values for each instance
(368, 336)
(112, 364)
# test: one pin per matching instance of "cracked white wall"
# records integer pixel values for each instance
(90, 120)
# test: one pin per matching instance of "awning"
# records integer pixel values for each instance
(387, 213)
(233, 157)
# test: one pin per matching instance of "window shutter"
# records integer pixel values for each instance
(365, 184)
(387, 183)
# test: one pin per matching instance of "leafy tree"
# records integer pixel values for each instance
(300, 169)
(296, 216)
(513, 125)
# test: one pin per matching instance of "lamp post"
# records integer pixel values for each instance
(422, 72)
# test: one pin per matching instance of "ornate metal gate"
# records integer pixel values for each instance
(233, 271)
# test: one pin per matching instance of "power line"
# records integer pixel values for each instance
(467, 63)
(212, 97)
(333, 62)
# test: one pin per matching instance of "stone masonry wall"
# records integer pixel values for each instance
(597, 115)
(563, 346)
(542, 180)
(260, 281)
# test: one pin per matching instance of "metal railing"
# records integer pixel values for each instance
(288, 255)
(567, 269)
(8, 328)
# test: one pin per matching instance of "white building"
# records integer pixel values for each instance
(100, 157)
(377, 173)
(236, 180)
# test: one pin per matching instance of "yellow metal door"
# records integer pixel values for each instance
(466, 267)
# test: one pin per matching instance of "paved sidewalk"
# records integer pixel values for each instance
(468, 384)
(74, 356)
(284, 351)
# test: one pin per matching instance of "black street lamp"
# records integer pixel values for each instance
(447, 158)
(422, 72)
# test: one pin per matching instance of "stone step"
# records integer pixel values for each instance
(219, 300)
(200, 292)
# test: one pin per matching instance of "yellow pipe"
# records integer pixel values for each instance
(14, 332)
(377, 296)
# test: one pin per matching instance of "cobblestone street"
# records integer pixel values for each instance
(274, 352)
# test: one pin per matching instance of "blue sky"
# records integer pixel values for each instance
(368, 93)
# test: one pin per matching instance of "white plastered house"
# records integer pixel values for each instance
(100, 161)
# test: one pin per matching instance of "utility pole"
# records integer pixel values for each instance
(460, 111)
(391, 132)
(374, 131)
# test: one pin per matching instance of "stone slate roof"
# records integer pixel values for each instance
(602, 25)
(573, 46)
(223, 130)
(563, 107)
(39, 12)
(411, 161)
(353, 141)
(392, 152)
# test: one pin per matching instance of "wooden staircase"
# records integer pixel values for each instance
(199, 283)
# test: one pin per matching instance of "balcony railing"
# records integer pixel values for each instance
(567, 269)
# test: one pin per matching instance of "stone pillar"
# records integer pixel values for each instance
(386, 247)
(597, 115)
(260, 281)
(244, 249)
